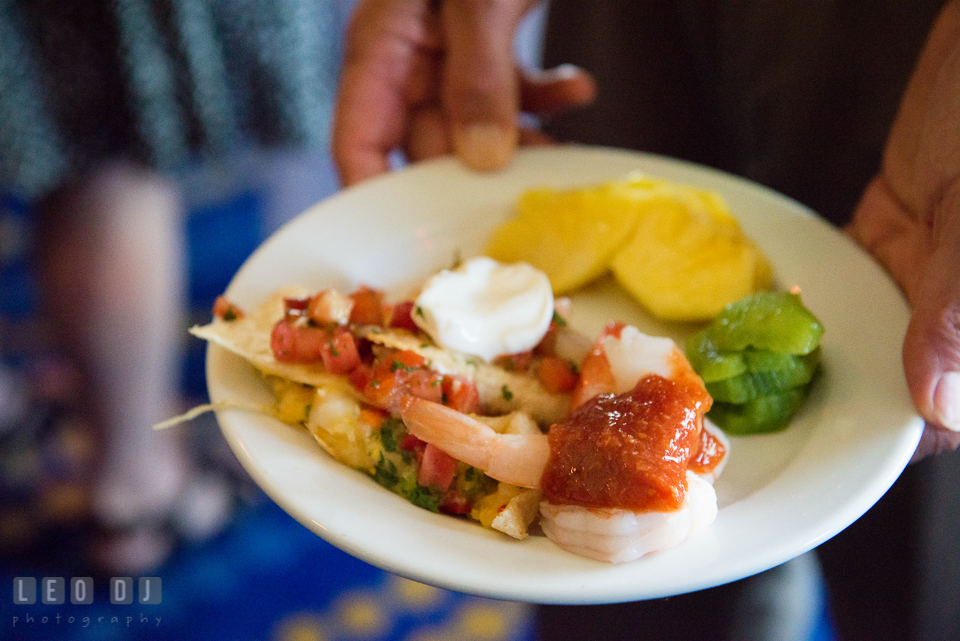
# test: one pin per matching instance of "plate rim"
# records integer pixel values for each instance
(910, 433)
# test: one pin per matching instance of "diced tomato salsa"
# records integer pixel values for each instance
(225, 310)
(322, 329)
(461, 394)
(557, 375)
(436, 468)
(402, 316)
(518, 362)
(367, 307)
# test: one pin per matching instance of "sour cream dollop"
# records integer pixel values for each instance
(486, 308)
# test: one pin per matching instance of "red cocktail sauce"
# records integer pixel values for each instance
(629, 450)
(709, 455)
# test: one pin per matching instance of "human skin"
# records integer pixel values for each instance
(431, 78)
(909, 220)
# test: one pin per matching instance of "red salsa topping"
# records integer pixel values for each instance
(225, 310)
(628, 450)
(709, 454)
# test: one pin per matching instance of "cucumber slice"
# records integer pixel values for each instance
(709, 362)
(760, 415)
(713, 365)
(795, 371)
(763, 360)
(774, 321)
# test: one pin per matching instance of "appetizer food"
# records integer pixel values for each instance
(677, 249)
(476, 399)
(758, 358)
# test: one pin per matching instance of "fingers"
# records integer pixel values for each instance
(935, 440)
(931, 350)
(481, 90)
(427, 136)
(388, 59)
(557, 89)
(924, 264)
(884, 226)
(909, 219)
(431, 78)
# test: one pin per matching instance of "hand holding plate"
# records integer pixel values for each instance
(909, 219)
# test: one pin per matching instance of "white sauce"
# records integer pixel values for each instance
(486, 308)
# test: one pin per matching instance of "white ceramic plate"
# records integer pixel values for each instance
(780, 495)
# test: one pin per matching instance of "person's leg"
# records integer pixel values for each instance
(112, 266)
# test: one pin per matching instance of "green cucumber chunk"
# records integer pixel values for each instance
(761, 415)
(763, 360)
(713, 365)
(774, 321)
(794, 371)
(709, 362)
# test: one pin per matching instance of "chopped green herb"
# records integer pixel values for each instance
(333, 350)
(507, 394)
(392, 433)
(385, 473)
(397, 365)
(426, 497)
(419, 311)
(559, 320)
(388, 439)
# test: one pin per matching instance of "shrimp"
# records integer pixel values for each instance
(617, 535)
(513, 458)
(622, 355)
(587, 526)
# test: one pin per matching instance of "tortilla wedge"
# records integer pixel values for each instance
(501, 391)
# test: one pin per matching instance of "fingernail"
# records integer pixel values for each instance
(485, 146)
(946, 401)
(561, 72)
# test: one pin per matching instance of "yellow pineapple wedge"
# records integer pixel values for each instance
(570, 235)
(677, 249)
(688, 256)
(685, 269)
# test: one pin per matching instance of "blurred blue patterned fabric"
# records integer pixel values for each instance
(161, 82)
(265, 576)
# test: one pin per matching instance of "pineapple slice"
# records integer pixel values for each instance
(570, 235)
(685, 264)
(677, 249)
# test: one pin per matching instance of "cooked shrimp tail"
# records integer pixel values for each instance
(617, 536)
(513, 458)
(622, 355)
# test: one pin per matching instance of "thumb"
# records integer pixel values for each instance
(480, 85)
(924, 264)
(931, 349)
